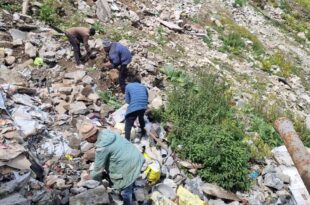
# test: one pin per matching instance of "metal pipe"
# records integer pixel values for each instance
(296, 148)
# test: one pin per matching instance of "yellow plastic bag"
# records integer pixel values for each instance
(152, 172)
(187, 198)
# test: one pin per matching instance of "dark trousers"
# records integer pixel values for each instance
(75, 43)
(130, 119)
(122, 77)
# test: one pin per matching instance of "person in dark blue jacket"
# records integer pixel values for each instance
(118, 55)
(136, 95)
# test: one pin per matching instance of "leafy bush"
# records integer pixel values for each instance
(233, 43)
(48, 12)
(206, 132)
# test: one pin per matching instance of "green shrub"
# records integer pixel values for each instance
(233, 43)
(206, 132)
(48, 12)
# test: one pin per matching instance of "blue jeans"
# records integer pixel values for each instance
(127, 194)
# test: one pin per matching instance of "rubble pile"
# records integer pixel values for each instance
(42, 157)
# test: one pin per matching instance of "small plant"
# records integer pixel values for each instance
(208, 38)
(10, 6)
(258, 47)
(99, 27)
(161, 36)
(177, 77)
(108, 98)
(48, 12)
(279, 59)
(240, 3)
(233, 43)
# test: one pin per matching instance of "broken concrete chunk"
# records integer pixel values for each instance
(61, 107)
(15, 199)
(273, 181)
(31, 50)
(77, 108)
(214, 190)
(23, 99)
(103, 10)
(9, 60)
(170, 25)
(76, 75)
(91, 197)
(15, 184)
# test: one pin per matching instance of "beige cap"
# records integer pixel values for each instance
(87, 130)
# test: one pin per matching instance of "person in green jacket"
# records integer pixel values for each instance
(117, 156)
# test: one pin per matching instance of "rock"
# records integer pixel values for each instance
(77, 108)
(2, 53)
(157, 102)
(216, 202)
(272, 180)
(76, 75)
(106, 110)
(60, 108)
(174, 172)
(103, 10)
(9, 60)
(91, 197)
(214, 190)
(49, 57)
(302, 35)
(51, 180)
(166, 190)
(15, 184)
(133, 16)
(74, 141)
(83, 6)
(74, 152)
(91, 184)
(31, 50)
(86, 146)
(170, 25)
(15, 199)
(77, 190)
(88, 80)
(18, 36)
